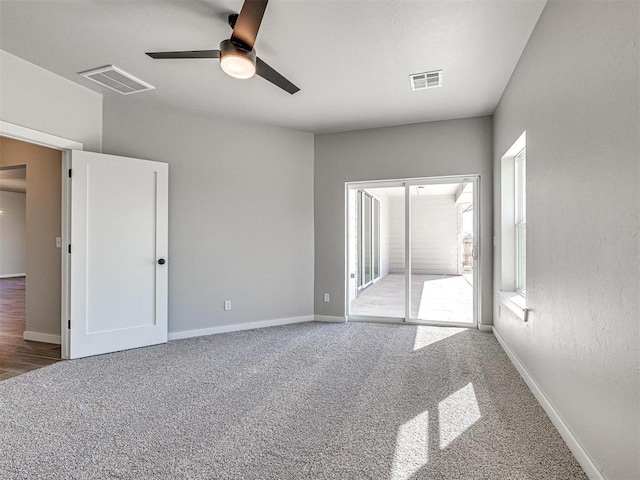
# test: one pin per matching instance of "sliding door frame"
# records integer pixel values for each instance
(407, 183)
(373, 253)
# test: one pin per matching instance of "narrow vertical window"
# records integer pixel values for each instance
(520, 180)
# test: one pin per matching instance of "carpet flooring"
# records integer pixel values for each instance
(306, 401)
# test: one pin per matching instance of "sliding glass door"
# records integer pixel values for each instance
(412, 251)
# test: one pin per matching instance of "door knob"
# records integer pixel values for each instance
(162, 261)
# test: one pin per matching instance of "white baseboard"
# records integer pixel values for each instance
(238, 326)
(572, 442)
(41, 337)
(13, 275)
(485, 328)
(330, 319)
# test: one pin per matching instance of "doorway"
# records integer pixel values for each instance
(412, 251)
(30, 260)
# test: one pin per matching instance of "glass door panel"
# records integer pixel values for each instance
(441, 229)
(380, 253)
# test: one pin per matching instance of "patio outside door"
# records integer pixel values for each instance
(412, 251)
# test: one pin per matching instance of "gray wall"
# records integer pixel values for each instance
(43, 225)
(575, 91)
(421, 150)
(33, 97)
(240, 212)
(13, 240)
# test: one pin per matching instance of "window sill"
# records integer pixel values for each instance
(516, 303)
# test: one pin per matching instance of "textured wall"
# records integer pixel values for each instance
(454, 147)
(240, 212)
(575, 91)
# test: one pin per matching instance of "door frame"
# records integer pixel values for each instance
(407, 183)
(65, 145)
(374, 222)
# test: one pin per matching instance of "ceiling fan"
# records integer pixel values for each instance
(237, 55)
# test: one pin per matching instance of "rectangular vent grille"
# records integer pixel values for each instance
(116, 79)
(420, 81)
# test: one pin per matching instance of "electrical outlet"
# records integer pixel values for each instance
(227, 304)
(327, 298)
(58, 242)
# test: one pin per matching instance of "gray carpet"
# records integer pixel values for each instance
(320, 401)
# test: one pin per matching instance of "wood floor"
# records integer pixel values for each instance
(18, 356)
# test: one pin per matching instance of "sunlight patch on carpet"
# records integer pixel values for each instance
(426, 336)
(457, 413)
(412, 446)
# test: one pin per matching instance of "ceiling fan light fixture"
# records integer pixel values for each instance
(237, 66)
(237, 62)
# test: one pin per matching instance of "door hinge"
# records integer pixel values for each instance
(69, 325)
(69, 248)
(69, 173)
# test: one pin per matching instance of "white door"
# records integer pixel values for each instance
(118, 260)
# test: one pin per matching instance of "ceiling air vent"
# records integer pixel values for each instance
(116, 79)
(420, 81)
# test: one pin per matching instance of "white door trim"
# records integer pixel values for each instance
(29, 135)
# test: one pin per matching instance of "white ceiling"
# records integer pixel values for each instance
(351, 59)
(13, 179)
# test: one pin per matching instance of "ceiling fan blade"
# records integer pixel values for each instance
(268, 73)
(186, 54)
(248, 22)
